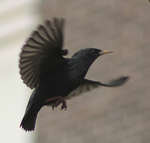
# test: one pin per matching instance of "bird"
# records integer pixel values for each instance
(54, 78)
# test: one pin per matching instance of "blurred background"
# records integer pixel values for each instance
(104, 115)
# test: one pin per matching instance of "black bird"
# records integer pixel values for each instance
(53, 77)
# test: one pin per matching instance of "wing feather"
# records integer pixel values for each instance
(87, 85)
(42, 51)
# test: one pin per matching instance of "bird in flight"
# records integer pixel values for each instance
(53, 77)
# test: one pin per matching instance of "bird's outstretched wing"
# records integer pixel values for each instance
(42, 51)
(87, 85)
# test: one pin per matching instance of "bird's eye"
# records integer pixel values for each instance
(93, 51)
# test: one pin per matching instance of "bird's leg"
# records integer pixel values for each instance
(56, 101)
(59, 101)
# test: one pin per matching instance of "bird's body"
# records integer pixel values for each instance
(54, 77)
(55, 81)
(64, 78)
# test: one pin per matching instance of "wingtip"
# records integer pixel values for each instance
(119, 81)
(40, 27)
(125, 78)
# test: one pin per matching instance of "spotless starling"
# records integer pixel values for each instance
(53, 77)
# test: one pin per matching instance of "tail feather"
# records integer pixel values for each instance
(33, 107)
(28, 123)
(29, 119)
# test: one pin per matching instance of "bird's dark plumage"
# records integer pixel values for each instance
(55, 78)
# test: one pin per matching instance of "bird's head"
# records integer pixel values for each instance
(83, 59)
(89, 54)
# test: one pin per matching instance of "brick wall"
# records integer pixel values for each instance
(104, 115)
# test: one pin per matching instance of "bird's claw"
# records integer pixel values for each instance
(58, 100)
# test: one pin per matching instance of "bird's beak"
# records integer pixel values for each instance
(105, 52)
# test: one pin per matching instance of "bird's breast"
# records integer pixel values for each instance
(57, 83)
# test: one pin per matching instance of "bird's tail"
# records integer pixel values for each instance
(29, 119)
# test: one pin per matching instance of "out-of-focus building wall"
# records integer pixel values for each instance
(17, 18)
(104, 115)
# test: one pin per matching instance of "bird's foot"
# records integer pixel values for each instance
(57, 101)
